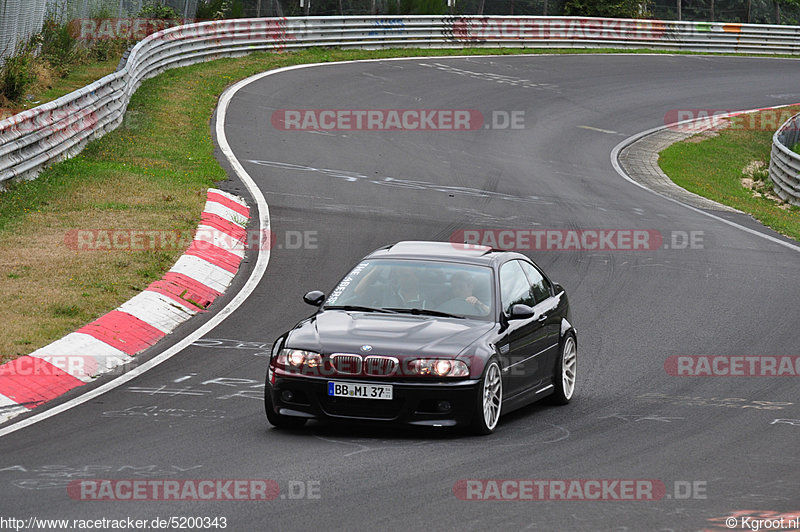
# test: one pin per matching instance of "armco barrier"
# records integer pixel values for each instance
(31, 140)
(784, 164)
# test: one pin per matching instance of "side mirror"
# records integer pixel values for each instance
(521, 312)
(314, 298)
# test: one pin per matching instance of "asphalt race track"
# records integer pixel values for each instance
(714, 443)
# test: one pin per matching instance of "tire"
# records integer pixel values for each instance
(489, 400)
(278, 420)
(564, 373)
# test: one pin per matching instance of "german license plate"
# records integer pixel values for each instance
(360, 390)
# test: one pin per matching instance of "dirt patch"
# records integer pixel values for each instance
(712, 129)
(756, 179)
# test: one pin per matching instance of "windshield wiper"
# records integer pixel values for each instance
(425, 312)
(359, 308)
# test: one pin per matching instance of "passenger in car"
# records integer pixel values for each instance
(462, 300)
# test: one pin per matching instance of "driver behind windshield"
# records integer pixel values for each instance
(462, 300)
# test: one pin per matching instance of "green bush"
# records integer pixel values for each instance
(57, 49)
(157, 10)
(101, 12)
(60, 46)
(18, 74)
(236, 9)
(102, 50)
(107, 49)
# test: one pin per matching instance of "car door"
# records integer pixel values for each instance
(523, 339)
(546, 308)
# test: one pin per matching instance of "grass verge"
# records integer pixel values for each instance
(150, 174)
(78, 77)
(731, 168)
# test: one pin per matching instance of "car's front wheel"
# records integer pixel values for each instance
(276, 419)
(565, 371)
(489, 401)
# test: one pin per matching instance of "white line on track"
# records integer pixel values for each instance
(590, 128)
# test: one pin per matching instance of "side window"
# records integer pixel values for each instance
(539, 285)
(514, 286)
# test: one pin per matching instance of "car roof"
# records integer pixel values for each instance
(446, 251)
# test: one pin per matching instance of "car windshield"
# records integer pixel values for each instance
(411, 286)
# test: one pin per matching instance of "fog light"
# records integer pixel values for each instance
(287, 396)
(443, 406)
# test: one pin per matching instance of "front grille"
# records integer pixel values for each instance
(346, 364)
(361, 408)
(378, 366)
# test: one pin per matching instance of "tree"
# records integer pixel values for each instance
(793, 3)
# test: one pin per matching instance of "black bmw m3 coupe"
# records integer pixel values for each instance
(427, 333)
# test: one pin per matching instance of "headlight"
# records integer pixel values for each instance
(297, 358)
(440, 367)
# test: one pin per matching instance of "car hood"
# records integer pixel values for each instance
(337, 331)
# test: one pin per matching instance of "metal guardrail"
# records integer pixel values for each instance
(784, 164)
(31, 140)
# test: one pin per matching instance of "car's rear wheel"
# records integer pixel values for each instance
(565, 371)
(276, 419)
(489, 401)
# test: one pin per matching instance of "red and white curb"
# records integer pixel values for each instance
(199, 276)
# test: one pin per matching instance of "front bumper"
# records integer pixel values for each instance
(411, 404)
